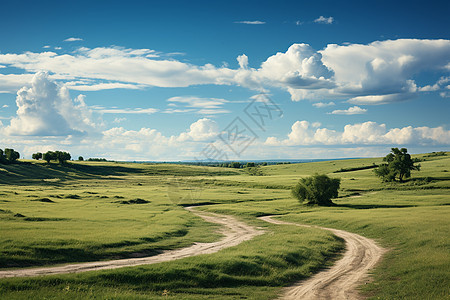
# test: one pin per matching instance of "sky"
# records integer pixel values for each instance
(224, 80)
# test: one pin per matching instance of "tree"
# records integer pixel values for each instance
(399, 164)
(49, 155)
(62, 157)
(80, 158)
(235, 165)
(36, 156)
(2, 156)
(250, 165)
(11, 155)
(317, 189)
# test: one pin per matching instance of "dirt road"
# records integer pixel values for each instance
(234, 231)
(338, 282)
(342, 279)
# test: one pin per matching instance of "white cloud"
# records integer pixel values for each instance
(376, 73)
(72, 39)
(127, 110)
(213, 111)
(243, 61)
(298, 23)
(58, 48)
(119, 120)
(11, 83)
(299, 68)
(354, 110)
(175, 111)
(46, 46)
(5, 106)
(323, 104)
(204, 106)
(367, 133)
(441, 84)
(382, 72)
(198, 102)
(251, 22)
(119, 65)
(46, 109)
(103, 86)
(324, 20)
(202, 130)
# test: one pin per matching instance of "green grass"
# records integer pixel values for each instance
(254, 268)
(87, 220)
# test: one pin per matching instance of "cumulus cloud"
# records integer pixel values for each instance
(251, 22)
(202, 130)
(382, 72)
(243, 61)
(367, 133)
(300, 68)
(354, 110)
(441, 84)
(45, 109)
(324, 20)
(73, 39)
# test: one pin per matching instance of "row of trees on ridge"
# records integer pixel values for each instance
(60, 156)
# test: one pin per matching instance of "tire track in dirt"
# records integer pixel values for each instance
(342, 279)
(234, 231)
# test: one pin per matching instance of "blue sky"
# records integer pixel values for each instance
(144, 80)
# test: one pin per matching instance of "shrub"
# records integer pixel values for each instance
(317, 189)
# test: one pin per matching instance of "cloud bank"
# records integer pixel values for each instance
(377, 73)
(368, 133)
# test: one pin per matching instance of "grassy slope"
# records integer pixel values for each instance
(411, 219)
(53, 214)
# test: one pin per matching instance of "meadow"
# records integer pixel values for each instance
(88, 211)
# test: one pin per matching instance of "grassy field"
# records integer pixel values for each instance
(94, 211)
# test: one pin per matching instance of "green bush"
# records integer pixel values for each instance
(317, 189)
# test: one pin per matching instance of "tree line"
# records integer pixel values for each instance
(8, 156)
(61, 156)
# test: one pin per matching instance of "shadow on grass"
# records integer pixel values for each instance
(371, 206)
(23, 173)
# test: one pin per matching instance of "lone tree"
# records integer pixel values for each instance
(80, 158)
(36, 156)
(317, 189)
(399, 164)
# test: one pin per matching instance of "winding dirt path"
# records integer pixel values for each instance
(342, 279)
(234, 231)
